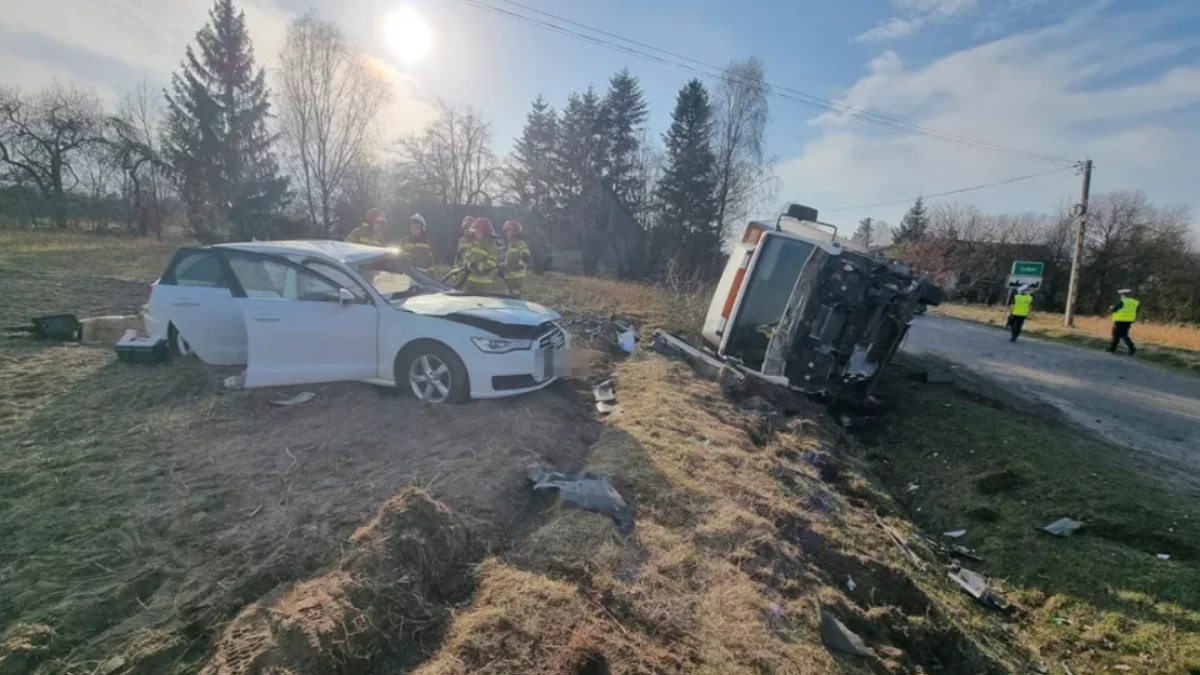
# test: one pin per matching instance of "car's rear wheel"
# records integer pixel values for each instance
(179, 346)
(433, 373)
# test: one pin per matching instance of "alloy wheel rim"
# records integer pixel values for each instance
(429, 378)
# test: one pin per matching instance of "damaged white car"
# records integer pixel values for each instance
(298, 312)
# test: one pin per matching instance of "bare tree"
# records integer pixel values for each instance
(452, 160)
(132, 136)
(328, 102)
(740, 114)
(42, 137)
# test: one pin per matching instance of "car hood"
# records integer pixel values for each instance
(500, 310)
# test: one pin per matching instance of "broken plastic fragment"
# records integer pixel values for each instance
(850, 583)
(1063, 527)
(955, 534)
(302, 397)
(977, 587)
(235, 381)
(1164, 556)
(607, 408)
(604, 392)
(964, 552)
(587, 492)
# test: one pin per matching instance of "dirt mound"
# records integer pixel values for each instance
(382, 605)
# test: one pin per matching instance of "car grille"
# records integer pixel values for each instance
(554, 338)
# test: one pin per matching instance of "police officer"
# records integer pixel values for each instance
(1124, 314)
(1022, 303)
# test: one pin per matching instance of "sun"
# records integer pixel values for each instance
(408, 35)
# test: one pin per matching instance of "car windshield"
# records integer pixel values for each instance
(395, 279)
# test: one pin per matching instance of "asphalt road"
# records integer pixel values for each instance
(1139, 405)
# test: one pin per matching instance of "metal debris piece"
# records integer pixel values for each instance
(626, 337)
(964, 552)
(1063, 527)
(302, 397)
(604, 392)
(902, 543)
(587, 492)
(836, 637)
(608, 408)
(955, 534)
(978, 588)
(672, 346)
(1164, 556)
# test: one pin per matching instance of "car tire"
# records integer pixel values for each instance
(430, 371)
(179, 346)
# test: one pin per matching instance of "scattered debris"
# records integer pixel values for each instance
(1063, 527)
(108, 329)
(955, 534)
(604, 393)
(902, 543)
(59, 327)
(1061, 621)
(964, 552)
(626, 338)
(857, 421)
(978, 588)
(850, 583)
(836, 637)
(302, 397)
(134, 349)
(912, 487)
(1066, 668)
(669, 345)
(236, 381)
(587, 492)
(1164, 556)
(590, 328)
(608, 408)
(776, 611)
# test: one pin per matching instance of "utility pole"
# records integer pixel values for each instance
(1080, 212)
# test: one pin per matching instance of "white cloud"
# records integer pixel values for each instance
(915, 14)
(1066, 91)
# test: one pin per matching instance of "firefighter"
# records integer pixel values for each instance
(1124, 314)
(370, 232)
(460, 255)
(416, 244)
(481, 260)
(516, 259)
(1022, 303)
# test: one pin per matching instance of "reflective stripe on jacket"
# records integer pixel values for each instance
(516, 261)
(481, 262)
(464, 245)
(418, 250)
(362, 235)
(1021, 304)
(1128, 311)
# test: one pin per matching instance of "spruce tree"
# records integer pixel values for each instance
(581, 167)
(916, 222)
(216, 137)
(532, 178)
(863, 233)
(685, 191)
(625, 116)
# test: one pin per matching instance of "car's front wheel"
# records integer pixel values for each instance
(433, 373)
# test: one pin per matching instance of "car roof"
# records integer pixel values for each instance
(341, 251)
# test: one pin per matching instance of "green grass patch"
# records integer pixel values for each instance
(1098, 599)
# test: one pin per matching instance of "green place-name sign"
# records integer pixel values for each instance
(1027, 269)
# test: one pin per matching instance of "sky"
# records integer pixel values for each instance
(1117, 81)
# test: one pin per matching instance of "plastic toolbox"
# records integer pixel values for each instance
(134, 349)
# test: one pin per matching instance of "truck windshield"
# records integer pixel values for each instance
(768, 288)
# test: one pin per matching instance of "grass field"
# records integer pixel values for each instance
(154, 522)
(1175, 345)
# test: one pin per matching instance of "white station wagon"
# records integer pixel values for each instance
(298, 312)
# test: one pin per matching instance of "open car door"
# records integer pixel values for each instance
(302, 326)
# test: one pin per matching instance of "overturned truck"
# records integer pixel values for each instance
(797, 302)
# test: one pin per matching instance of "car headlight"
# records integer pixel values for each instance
(500, 345)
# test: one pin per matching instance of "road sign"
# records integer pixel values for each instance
(1023, 268)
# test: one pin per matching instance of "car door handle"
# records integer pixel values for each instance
(265, 318)
(185, 303)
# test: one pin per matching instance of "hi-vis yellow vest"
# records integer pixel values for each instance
(1021, 304)
(1128, 311)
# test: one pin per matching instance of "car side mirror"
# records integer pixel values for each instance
(345, 297)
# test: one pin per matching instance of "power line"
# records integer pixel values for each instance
(952, 192)
(673, 59)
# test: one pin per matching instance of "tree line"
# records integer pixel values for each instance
(224, 157)
(1129, 242)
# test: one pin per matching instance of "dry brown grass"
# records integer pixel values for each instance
(1178, 335)
(681, 308)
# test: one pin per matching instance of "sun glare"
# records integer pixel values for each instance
(408, 35)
